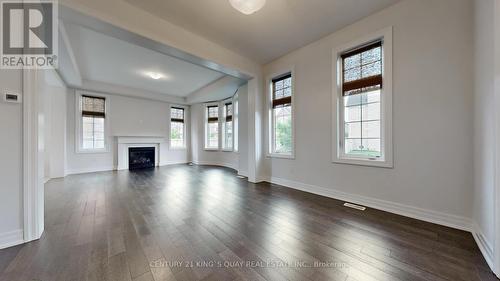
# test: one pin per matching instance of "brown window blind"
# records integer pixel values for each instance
(177, 114)
(229, 112)
(213, 114)
(362, 69)
(282, 90)
(93, 106)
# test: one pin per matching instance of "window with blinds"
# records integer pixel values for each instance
(212, 127)
(177, 127)
(281, 114)
(93, 114)
(362, 82)
(227, 138)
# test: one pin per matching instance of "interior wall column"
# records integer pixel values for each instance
(496, 216)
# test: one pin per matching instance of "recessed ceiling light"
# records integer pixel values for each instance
(155, 75)
(247, 7)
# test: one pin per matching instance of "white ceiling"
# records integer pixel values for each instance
(105, 59)
(280, 27)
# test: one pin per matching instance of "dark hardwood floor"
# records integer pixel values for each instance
(203, 223)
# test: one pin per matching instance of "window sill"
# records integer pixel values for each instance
(227, 150)
(211, 149)
(178, 148)
(364, 162)
(282, 156)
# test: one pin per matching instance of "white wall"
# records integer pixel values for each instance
(432, 119)
(485, 141)
(11, 222)
(53, 92)
(127, 117)
(235, 160)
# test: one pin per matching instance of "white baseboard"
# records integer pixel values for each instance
(444, 219)
(221, 164)
(11, 238)
(243, 173)
(173, 163)
(484, 245)
(90, 170)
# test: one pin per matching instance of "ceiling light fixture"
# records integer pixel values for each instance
(155, 75)
(247, 7)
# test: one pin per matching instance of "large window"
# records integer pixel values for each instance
(93, 114)
(361, 85)
(364, 103)
(227, 133)
(281, 135)
(177, 127)
(212, 127)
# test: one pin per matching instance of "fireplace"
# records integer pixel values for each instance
(141, 157)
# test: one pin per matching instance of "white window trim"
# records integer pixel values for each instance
(184, 144)
(205, 125)
(79, 125)
(270, 119)
(223, 122)
(386, 102)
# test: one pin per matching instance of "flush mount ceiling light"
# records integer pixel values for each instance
(247, 7)
(155, 75)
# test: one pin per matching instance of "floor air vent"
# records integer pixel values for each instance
(354, 206)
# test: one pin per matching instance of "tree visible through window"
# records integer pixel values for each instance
(282, 115)
(361, 85)
(93, 112)
(177, 127)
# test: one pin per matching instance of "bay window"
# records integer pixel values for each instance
(227, 132)
(177, 128)
(212, 127)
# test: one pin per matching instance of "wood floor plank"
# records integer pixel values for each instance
(203, 223)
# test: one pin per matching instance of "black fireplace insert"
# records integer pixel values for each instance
(141, 158)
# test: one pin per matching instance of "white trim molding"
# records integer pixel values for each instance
(484, 245)
(219, 164)
(11, 238)
(90, 170)
(338, 155)
(440, 218)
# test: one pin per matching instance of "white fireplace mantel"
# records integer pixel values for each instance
(125, 142)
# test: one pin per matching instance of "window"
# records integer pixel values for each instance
(364, 103)
(93, 114)
(281, 140)
(227, 133)
(212, 127)
(177, 127)
(361, 85)
(235, 123)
